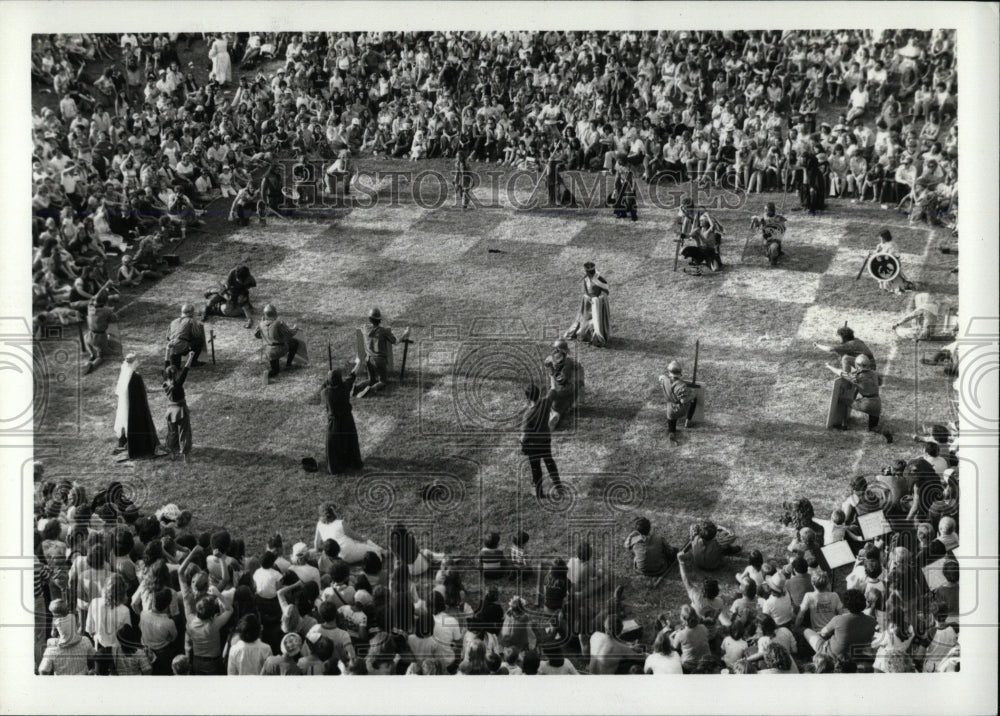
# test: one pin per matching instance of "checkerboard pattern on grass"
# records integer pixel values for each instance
(766, 391)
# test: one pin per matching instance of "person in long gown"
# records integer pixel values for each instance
(353, 548)
(222, 66)
(133, 422)
(343, 454)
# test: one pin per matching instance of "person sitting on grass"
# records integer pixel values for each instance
(752, 572)
(607, 650)
(734, 646)
(492, 560)
(664, 659)
(652, 554)
(710, 543)
(819, 606)
(846, 637)
(691, 638)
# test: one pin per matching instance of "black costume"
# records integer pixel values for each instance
(343, 454)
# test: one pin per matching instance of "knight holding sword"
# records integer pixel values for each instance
(681, 400)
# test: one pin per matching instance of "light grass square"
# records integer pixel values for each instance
(820, 323)
(772, 284)
(538, 229)
(427, 248)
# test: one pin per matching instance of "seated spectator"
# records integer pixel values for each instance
(651, 553)
(709, 543)
(734, 646)
(941, 639)
(492, 560)
(607, 650)
(691, 638)
(799, 583)
(776, 660)
(663, 659)
(819, 606)
(846, 637)
(752, 571)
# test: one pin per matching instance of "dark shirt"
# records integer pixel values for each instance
(174, 389)
(849, 633)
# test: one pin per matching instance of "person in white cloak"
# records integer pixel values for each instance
(134, 426)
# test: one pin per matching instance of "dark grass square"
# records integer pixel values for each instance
(226, 255)
(636, 239)
(451, 220)
(864, 294)
(350, 240)
(798, 257)
(864, 235)
(758, 317)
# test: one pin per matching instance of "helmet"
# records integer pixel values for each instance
(187, 310)
(863, 361)
(561, 345)
(375, 314)
(270, 311)
(687, 201)
(674, 368)
(771, 210)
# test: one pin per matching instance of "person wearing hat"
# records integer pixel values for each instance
(566, 381)
(232, 298)
(343, 454)
(536, 439)
(593, 320)
(279, 340)
(867, 400)
(129, 656)
(69, 653)
(99, 319)
(185, 335)
(134, 426)
(286, 663)
(680, 400)
(377, 341)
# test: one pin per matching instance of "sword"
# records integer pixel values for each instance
(694, 372)
(402, 366)
(329, 355)
(864, 265)
(677, 249)
(211, 342)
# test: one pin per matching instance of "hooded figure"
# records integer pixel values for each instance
(343, 454)
(133, 422)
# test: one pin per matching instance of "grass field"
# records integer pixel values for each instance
(482, 321)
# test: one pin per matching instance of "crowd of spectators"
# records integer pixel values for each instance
(134, 152)
(134, 145)
(118, 591)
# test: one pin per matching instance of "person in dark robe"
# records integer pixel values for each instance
(623, 199)
(343, 454)
(133, 422)
(558, 193)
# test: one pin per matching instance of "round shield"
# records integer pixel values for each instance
(884, 267)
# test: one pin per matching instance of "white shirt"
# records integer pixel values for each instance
(247, 659)
(266, 582)
(662, 664)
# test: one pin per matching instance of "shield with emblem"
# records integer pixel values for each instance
(884, 267)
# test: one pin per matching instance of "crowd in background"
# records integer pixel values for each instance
(135, 148)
